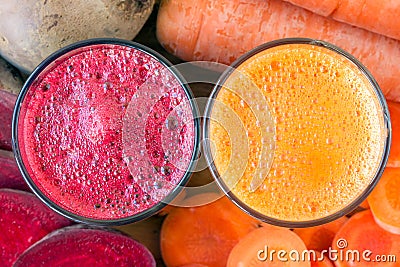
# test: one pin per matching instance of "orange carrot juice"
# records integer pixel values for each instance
(299, 132)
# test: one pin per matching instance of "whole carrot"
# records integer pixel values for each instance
(394, 157)
(374, 15)
(222, 30)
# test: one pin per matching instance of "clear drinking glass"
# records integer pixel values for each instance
(297, 132)
(105, 131)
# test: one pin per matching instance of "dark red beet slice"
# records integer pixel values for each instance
(7, 102)
(78, 246)
(24, 220)
(10, 176)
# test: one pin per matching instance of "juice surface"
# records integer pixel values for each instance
(107, 132)
(328, 126)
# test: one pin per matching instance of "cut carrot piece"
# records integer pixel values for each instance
(321, 261)
(394, 157)
(204, 234)
(261, 248)
(385, 201)
(320, 237)
(365, 243)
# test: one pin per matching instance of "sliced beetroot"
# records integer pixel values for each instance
(77, 246)
(10, 176)
(24, 220)
(7, 102)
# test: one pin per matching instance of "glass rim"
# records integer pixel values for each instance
(386, 123)
(59, 54)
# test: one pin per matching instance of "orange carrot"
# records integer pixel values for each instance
(261, 246)
(320, 237)
(267, 225)
(204, 234)
(394, 157)
(377, 16)
(222, 30)
(362, 234)
(385, 201)
(321, 261)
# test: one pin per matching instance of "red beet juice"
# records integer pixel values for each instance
(105, 131)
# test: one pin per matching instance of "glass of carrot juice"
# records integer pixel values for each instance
(297, 132)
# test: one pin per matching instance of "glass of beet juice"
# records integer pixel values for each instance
(105, 132)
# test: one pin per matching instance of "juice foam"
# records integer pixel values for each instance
(328, 126)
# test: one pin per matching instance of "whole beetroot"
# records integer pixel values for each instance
(30, 30)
